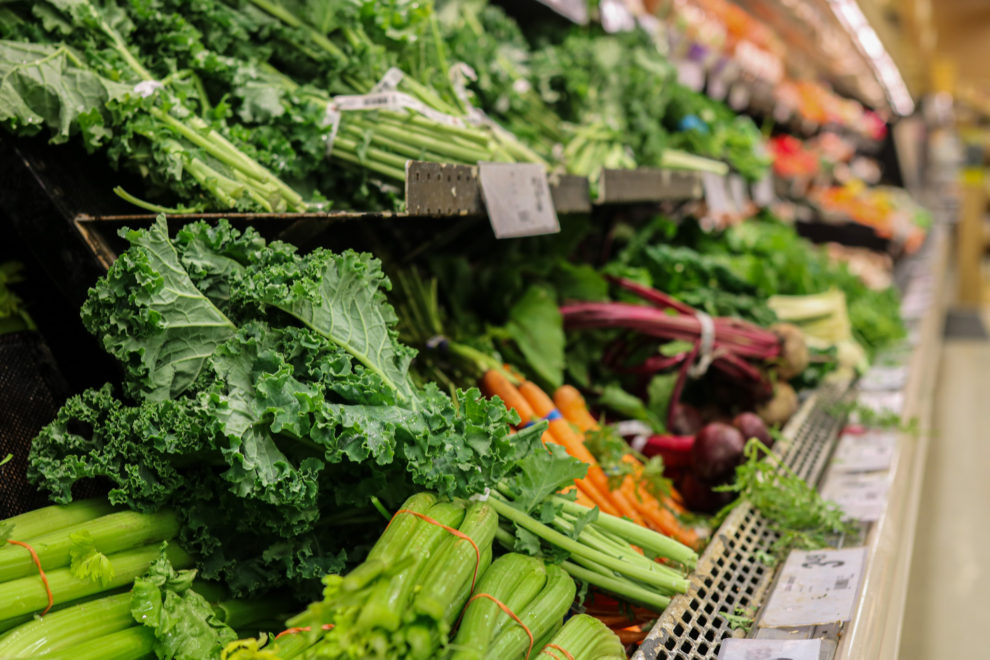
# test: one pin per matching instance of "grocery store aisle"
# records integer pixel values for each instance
(948, 608)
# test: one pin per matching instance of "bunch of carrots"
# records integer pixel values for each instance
(569, 421)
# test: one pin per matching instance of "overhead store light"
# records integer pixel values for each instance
(852, 19)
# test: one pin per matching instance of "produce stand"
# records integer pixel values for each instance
(353, 391)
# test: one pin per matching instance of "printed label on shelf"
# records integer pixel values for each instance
(716, 195)
(517, 197)
(882, 402)
(739, 96)
(576, 10)
(615, 16)
(861, 495)
(816, 587)
(691, 73)
(770, 649)
(865, 452)
(763, 192)
(884, 378)
(737, 191)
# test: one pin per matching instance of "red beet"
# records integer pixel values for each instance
(699, 496)
(685, 419)
(675, 450)
(717, 450)
(751, 426)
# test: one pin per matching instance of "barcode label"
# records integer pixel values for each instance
(861, 495)
(882, 378)
(816, 587)
(770, 649)
(871, 451)
(517, 197)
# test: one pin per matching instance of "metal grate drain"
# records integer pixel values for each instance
(728, 575)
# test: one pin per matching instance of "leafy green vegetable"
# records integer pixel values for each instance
(186, 626)
(291, 406)
(151, 317)
(543, 473)
(536, 327)
(87, 562)
(795, 510)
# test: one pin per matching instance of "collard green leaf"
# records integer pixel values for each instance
(150, 316)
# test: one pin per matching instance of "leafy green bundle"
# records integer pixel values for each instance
(67, 67)
(269, 400)
(704, 126)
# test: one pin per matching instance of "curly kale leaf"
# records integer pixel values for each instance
(260, 430)
(151, 317)
(340, 296)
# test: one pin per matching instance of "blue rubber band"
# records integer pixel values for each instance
(552, 415)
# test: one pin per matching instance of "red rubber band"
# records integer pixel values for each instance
(456, 532)
(502, 606)
(41, 572)
(293, 631)
(559, 648)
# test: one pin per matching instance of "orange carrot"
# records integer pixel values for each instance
(572, 406)
(631, 635)
(495, 383)
(574, 444)
(658, 515)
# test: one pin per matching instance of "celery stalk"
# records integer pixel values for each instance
(68, 627)
(48, 519)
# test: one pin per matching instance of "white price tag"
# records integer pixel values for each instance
(770, 649)
(882, 402)
(739, 96)
(865, 452)
(861, 495)
(716, 195)
(737, 191)
(691, 73)
(517, 197)
(816, 587)
(763, 192)
(884, 378)
(575, 10)
(615, 16)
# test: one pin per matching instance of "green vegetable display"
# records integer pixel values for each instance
(268, 399)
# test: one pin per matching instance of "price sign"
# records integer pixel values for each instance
(885, 378)
(861, 495)
(737, 191)
(865, 452)
(716, 194)
(763, 192)
(576, 10)
(517, 197)
(882, 402)
(739, 96)
(691, 73)
(770, 649)
(816, 587)
(615, 16)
